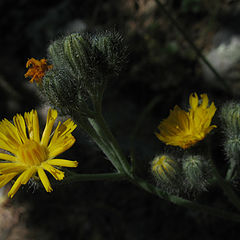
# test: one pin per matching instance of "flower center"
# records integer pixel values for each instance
(31, 153)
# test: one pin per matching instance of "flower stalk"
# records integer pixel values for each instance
(114, 153)
(227, 189)
(106, 135)
(82, 65)
(184, 202)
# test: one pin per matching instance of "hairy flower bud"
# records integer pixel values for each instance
(82, 65)
(164, 168)
(232, 149)
(230, 115)
(195, 172)
(111, 44)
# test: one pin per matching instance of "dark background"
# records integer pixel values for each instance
(162, 69)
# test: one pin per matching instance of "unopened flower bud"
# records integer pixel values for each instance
(230, 115)
(164, 168)
(82, 65)
(232, 148)
(112, 45)
(195, 172)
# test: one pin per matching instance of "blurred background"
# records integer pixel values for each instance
(161, 71)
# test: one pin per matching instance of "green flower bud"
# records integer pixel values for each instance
(194, 169)
(111, 44)
(232, 149)
(164, 168)
(64, 94)
(230, 115)
(82, 65)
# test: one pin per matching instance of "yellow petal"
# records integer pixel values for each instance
(193, 100)
(36, 136)
(60, 146)
(32, 122)
(22, 179)
(16, 186)
(6, 178)
(9, 134)
(8, 157)
(28, 174)
(64, 129)
(62, 163)
(7, 145)
(6, 168)
(20, 125)
(51, 117)
(44, 179)
(57, 174)
(204, 103)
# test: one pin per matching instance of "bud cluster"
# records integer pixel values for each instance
(82, 65)
(187, 174)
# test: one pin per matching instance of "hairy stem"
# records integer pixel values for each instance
(184, 202)
(105, 134)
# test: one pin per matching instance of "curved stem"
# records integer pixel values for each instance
(227, 189)
(184, 202)
(102, 135)
(104, 132)
(231, 171)
(223, 184)
(86, 125)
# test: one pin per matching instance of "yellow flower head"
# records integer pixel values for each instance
(30, 155)
(37, 69)
(184, 129)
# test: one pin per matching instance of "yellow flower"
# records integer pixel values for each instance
(184, 129)
(28, 154)
(37, 69)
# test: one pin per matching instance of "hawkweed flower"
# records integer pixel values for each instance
(184, 129)
(29, 156)
(37, 69)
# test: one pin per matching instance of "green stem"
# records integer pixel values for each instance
(85, 124)
(104, 132)
(101, 134)
(231, 171)
(223, 184)
(227, 189)
(192, 44)
(183, 202)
